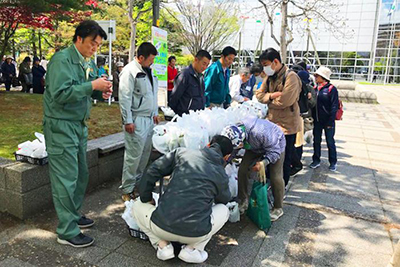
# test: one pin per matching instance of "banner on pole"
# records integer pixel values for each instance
(159, 40)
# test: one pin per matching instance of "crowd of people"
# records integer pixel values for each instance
(187, 213)
(31, 75)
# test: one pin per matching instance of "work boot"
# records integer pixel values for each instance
(133, 195)
(85, 222)
(79, 241)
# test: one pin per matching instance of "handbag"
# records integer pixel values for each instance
(258, 210)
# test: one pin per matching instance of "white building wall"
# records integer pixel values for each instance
(360, 16)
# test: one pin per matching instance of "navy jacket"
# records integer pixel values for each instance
(7, 69)
(246, 89)
(327, 105)
(188, 92)
(198, 179)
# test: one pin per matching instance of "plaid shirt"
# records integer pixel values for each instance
(265, 137)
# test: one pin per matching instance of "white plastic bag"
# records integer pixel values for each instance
(234, 214)
(127, 215)
(232, 172)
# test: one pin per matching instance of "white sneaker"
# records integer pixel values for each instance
(165, 253)
(192, 255)
(276, 214)
(243, 206)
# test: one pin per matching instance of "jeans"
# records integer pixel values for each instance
(290, 140)
(329, 136)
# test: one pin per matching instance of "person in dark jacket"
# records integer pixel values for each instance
(186, 213)
(38, 73)
(188, 92)
(116, 73)
(256, 78)
(8, 72)
(25, 75)
(324, 114)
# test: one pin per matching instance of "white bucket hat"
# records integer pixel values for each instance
(324, 72)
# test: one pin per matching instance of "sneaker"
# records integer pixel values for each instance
(314, 165)
(276, 214)
(85, 222)
(192, 255)
(332, 167)
(165, 253)
(243, 206)
(295, 170)
(79, 241)
(128, 197)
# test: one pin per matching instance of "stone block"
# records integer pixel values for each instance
(116, 154)
(24, 177)
(92, 156)
(2, 178)
(346, 85)
(3, 164)
(3, 200)
(108, 143)
(358, 96)
(25, 205)
(110, 170)
(93, 178)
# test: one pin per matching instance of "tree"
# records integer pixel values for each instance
(325, 12)
(204, 25)
(37, 14)
(136, 8)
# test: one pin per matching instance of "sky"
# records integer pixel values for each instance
(385, 7)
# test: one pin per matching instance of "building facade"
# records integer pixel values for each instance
(365, 47)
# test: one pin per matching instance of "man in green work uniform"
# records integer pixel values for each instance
(139, 109)
(70, 80)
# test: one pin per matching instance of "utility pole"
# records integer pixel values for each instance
(156, 13)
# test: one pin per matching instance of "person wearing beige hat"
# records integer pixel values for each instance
(8, 72)
(324, 114)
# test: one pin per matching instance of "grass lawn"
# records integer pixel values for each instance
(21, 116)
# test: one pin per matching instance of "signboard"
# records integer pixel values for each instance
(109, 27)
(159, 39)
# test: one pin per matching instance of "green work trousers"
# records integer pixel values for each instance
(66, 143)
(137, 153)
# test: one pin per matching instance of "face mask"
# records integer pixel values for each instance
(269, 71)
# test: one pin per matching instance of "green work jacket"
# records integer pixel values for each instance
(68, 86)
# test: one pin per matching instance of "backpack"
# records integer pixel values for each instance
(339, 112)
(303, 99)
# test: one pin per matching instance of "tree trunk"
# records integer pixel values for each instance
(40, 44)
(133, 44)
(284, 26)
(34, 48)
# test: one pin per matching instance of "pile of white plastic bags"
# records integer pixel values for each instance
(194, 130)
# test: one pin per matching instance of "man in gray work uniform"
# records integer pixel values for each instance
(139, 109)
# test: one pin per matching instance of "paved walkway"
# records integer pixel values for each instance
(347, 218)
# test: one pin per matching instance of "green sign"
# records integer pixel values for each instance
(159, 39)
